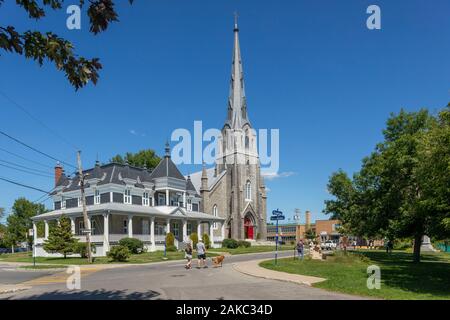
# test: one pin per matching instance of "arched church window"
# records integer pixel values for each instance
(248, 191)
(215, 214)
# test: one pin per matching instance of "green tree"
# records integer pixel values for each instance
(402, 188)
(19, 221)
(310, 234)
(60, 238)
(143, 158)
(50, 47)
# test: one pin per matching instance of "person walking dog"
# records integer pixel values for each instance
(201, 254)
(188, 256)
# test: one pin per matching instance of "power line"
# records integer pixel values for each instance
(25, 167)
(24, 185)
(23, 158)
(25, 171)
(35, 150)
(37, 120)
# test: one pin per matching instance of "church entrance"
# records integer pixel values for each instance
(249, 228)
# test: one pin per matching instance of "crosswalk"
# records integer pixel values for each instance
(60, 277)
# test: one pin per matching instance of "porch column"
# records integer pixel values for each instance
(153, 200)
(72, 224)
(45, 229)
(211, 233)
(34, 233)
(152, 233)
(168, 226)
(105, 232)
(184, 199)
(184, 230)
(88, 227)
(130, 226)
(199, 229)
(167, 197)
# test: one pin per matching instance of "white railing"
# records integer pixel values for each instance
(142, 237)
(94, 238)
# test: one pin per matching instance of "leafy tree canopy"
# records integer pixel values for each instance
(50, 47)
(19, 221)
(403, 187)
(143, 158)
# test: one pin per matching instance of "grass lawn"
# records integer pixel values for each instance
(253, 249)
(146, 257)
(400, 277)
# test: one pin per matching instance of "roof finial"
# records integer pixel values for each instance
(167, 149)
(236, 15)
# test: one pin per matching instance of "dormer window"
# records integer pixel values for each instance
(189, 205)
(127, 196)
(96, 197)
(146, 199)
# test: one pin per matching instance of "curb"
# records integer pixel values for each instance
(283, 276)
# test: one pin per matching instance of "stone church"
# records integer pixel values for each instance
(234, 188)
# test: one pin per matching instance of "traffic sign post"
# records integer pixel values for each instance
(277, 216)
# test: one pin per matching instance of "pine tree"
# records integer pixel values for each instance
(60, 239)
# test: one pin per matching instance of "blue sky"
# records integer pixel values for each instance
(312, 70)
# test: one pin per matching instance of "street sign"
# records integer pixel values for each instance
(277, 213)
(277, 218)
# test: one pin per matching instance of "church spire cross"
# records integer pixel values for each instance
(236, 16)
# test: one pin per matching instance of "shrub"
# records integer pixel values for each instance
(119, 253)
(230, 243)
(171, 248)
(402, 244)
(194, 239)
(258, 236)
(134, 245)
(81, 249)
(170, 239)
(206, 240)
(244, 244)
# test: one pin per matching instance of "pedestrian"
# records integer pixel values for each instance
(300, 247)
(188, 256)
(201, 254)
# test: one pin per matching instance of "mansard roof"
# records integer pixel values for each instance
(121, 174)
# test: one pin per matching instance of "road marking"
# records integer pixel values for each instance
(60, 277)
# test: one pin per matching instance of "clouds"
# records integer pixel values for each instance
(277, 175)
(136, 133)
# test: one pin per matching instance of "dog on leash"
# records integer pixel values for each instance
(218, 261)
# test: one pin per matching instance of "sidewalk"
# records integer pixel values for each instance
(252, 268)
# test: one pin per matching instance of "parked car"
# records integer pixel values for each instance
(328, 245)
(5, 250)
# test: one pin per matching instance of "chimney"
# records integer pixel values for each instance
(308, 219)
(204, 183)
(58, 172)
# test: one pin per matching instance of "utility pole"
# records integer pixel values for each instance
(87, 227)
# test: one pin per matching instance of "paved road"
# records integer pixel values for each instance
(171, 281)
(10, 274)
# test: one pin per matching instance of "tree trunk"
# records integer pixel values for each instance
(417, 244)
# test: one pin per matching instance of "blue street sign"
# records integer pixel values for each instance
(277, 213)
(277, 218)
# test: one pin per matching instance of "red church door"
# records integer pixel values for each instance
(248, 228)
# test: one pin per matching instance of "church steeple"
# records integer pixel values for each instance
(237, 107)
